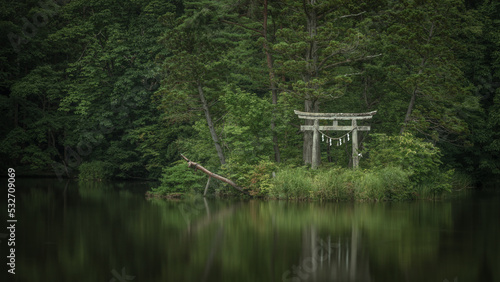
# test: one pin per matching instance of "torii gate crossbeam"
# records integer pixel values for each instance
(335, 117)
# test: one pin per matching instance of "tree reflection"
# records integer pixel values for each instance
(84, 230)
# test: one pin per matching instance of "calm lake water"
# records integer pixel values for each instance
(70, 231)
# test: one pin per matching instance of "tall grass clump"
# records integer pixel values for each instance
(370, 187)
(335, 184)
(397, 184)
(387, 184)
(449, 183)
(292, 183)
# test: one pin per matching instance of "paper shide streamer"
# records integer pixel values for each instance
(340, 140)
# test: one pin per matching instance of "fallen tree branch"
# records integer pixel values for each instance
(196, 166)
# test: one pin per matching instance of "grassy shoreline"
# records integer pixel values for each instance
(338, 184)
(386, 184)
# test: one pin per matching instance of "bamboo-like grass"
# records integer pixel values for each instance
(390, 183)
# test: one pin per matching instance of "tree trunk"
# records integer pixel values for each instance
(274, 91)
(311, 57)
(307, 151)
(415, 90)
(210, 123)
(211, 174)
(409, 110)
(269, 60)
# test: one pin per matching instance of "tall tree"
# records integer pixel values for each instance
(482, 68)
(87, 76)
(32, 84)
(196, 67)
(421, 43)
(317, 50)
(255, 16)
(112, 78)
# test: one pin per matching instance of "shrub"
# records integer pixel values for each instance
(413, 154)
(95, 170)
(460, 181)
(260, 178)
(180, 179)
(436, 184)
(255, 178)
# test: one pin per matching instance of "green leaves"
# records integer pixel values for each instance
(421, 45)
(178, 178)
(95, 170)
(422, 160)
(429, 67)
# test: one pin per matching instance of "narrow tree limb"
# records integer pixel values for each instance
(244, 26)
(196, 166)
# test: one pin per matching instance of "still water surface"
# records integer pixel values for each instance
(71, 231)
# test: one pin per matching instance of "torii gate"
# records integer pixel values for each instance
(354, 128)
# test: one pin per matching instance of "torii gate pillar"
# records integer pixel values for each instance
(354, 128)
(355, 154)
(316, 159)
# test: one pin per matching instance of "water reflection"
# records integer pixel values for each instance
(104, 231)
(330, 259)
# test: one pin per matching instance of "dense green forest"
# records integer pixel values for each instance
(117, 89)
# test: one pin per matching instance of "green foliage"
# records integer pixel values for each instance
(180, 179)
(415, 155)
(419, 158)
(198, 145)
(397, 184)
(82, 72)
(387, 184)
(461, 181)
(256, 178)
(123, 79)
(95, 170)
(336, 184)
(246, 132)
(292, 184)
(314, 49)
(435, 185)
(261, 177)
(420, 46)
